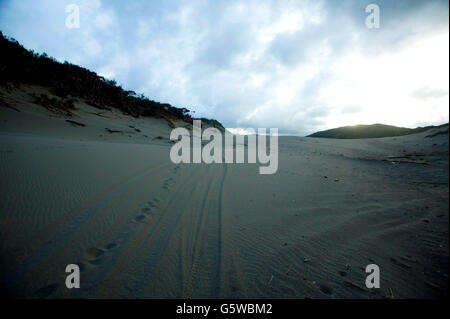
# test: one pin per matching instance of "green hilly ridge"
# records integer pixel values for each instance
(368, 131)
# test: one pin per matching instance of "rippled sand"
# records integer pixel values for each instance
(141, 227)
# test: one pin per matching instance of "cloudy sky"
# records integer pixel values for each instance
(300, 66)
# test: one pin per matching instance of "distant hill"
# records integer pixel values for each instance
(369, 131)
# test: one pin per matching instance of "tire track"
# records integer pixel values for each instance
(219, 263)
(198, 241)
(142, 238)
(207, 249)
(189, 212)
(175, 251)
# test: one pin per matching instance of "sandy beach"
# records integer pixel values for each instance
(140, 226)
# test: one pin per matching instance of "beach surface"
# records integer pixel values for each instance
(107, 197)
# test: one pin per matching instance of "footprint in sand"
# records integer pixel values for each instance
(95, 256)
(147, 211)
(168, 183)
(152, 204)
(140, 218)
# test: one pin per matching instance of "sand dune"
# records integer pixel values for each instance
(142, 227)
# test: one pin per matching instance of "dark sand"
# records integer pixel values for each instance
(142, 227)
